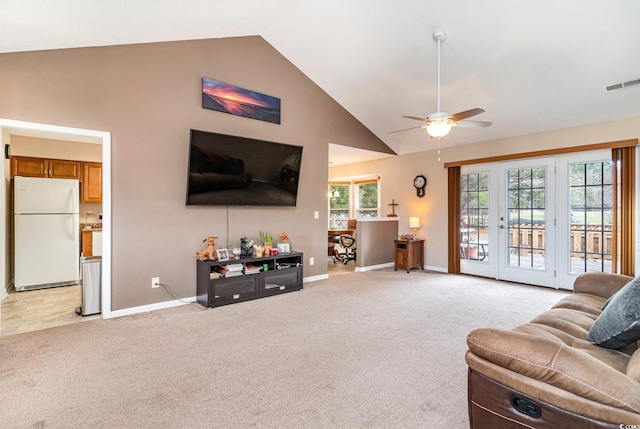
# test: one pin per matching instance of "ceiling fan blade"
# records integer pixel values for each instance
(417, 118)
(466, 114)
(407, 129)
(473, 124)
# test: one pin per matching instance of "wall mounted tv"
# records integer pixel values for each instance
(228, 170)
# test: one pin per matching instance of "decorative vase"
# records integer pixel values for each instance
(267, 249)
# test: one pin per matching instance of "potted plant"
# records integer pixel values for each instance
(267, 240)
(473, 252)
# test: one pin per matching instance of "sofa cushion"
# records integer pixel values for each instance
(587, 303)
(619, 323)
(633, 367)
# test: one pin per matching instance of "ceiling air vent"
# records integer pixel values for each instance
(622, 85)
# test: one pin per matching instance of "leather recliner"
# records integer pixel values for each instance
(547, 374)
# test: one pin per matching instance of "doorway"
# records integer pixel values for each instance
(9, 128)
(540, 221)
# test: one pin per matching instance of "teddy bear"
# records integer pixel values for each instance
(210, 251)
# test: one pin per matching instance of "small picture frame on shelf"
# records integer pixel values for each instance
(283, 248)
(223, 254)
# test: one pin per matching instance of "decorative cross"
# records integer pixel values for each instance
(393, 208)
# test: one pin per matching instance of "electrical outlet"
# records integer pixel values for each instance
(155, 282)
(316, 215)
(311, 261)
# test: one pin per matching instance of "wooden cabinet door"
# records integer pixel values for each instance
(61, 169)
(87, 243)
(28, 167)
(91, 182)
(416, 255)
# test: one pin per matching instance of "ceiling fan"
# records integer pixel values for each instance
(439, 124)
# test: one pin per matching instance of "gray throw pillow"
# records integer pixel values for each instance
(619, 322)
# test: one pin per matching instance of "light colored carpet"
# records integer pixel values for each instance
(379, 349)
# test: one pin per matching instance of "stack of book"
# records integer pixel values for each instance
(251, 269)
(229, 270)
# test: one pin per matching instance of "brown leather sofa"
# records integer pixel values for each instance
(547, 374)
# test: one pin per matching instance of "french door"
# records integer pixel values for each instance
(532, 221)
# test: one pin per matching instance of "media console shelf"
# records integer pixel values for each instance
(277, 274)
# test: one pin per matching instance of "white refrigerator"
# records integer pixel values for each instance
(46, 232)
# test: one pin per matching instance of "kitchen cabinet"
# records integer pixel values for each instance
(42, 167)
(91, 182)
(87, 242)
(91, 242)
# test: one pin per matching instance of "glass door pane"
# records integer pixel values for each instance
(474, 216)
(479, 220)
(526, 217)
(591, 234)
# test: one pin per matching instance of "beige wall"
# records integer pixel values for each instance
(148, 96)
(55, 149)
(397, 174)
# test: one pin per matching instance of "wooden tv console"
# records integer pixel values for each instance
(283, 274)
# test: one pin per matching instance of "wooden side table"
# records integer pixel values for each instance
(409, 254)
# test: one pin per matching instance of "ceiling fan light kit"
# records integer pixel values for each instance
(440, 123)
(439, 128)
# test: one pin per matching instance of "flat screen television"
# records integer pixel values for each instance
(227, 170)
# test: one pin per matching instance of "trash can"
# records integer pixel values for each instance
(91, 286)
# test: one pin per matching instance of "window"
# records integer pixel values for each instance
(339, 205)
(365, 198)
(355, 199)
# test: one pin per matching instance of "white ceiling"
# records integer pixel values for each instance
(533, 66)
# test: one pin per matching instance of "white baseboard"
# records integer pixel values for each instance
(315, 278)
(5, 291)
(184, 301)
(391, 265)
(374, 267)
(152, 307)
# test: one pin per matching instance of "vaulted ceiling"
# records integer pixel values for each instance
(533, 66)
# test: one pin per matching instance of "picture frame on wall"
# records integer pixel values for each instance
(283, 247)
(232, 99)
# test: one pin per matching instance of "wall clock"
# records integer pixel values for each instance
(420, 182)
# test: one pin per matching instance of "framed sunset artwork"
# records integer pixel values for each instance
(227, 98)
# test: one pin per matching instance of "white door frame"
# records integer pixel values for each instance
(10, 127)
(564, 275)
(496, 265)
(546, 275)
(488, 267)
